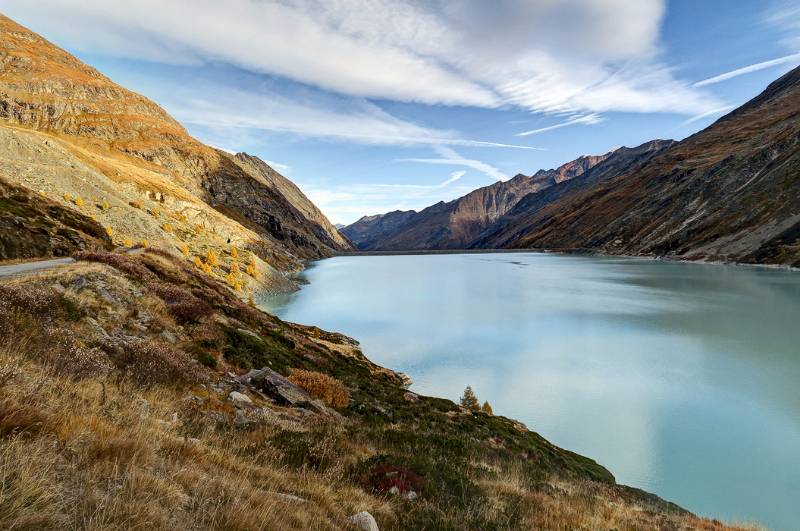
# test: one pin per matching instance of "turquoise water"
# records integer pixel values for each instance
(682, 379)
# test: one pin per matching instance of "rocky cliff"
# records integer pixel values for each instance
(96, 141)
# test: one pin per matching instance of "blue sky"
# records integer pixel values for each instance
(376, 105)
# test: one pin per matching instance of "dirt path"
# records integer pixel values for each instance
(27, 267)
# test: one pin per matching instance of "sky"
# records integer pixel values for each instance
(379, 105)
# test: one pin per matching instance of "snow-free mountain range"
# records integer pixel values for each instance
(728, 193)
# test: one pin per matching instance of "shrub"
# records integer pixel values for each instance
(206, 358)
(382, 476)
(144, 243)
(211, 258)
(149, 362)
(104, 205)
(110, 231)
(127, 242)
(155, 212)
(78, 202)
(167, 227)
(67, 197)
(322, 386)
(198, 228)
(234, 252)
(120, 262)
(184, 249)
(181, 303)
(469, 400)
(198, 262)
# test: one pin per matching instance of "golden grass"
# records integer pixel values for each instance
(87, 455)
(331, 391)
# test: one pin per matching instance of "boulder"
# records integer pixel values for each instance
(364, 521)
(239, 399)
(280, 389)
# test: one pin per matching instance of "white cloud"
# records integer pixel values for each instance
(785, 17)
(347, 203)
(588, 119)
(451, 158)
(573, 56)
(277, 166)
(793, 58)
(712, 112)
(302, 113)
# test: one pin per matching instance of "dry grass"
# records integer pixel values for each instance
(87, 455)
(322, 386)
(140, 441)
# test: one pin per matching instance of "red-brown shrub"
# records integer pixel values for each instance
(148, 362)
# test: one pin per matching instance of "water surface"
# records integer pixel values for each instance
(682, 379)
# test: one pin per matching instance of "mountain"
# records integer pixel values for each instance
(73, 135)
(460, 223)
(507, 229)
(730, 193)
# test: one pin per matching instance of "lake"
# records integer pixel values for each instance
(682, 379)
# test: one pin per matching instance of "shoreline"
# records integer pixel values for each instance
(568, 252)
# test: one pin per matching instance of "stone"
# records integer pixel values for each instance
(248, 332)
(364, 521)
(411, 495)
(239, 399)
(283, 391)
(96, 327)
(410, 397)
(394, 491)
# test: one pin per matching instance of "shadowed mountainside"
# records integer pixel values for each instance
(730, 192)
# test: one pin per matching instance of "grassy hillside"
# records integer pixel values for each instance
(123, 406)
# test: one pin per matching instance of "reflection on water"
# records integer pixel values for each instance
(680, 378)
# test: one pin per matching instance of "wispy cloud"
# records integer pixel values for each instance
(793, 58)
(306, 114)
(450, 158)
(277, 166)
(588, 119)
(347, 203)
(422, 52)
(712, 112)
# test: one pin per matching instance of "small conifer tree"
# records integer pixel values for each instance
(486, 408)
(469, 400)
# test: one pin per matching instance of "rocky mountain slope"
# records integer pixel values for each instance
(507, 229)
(460, 223)
(730, 192)
(72, 134)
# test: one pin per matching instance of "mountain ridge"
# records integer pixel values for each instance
(97, 143)
(727, 193)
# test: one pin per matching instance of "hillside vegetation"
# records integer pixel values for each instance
(128, 400)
